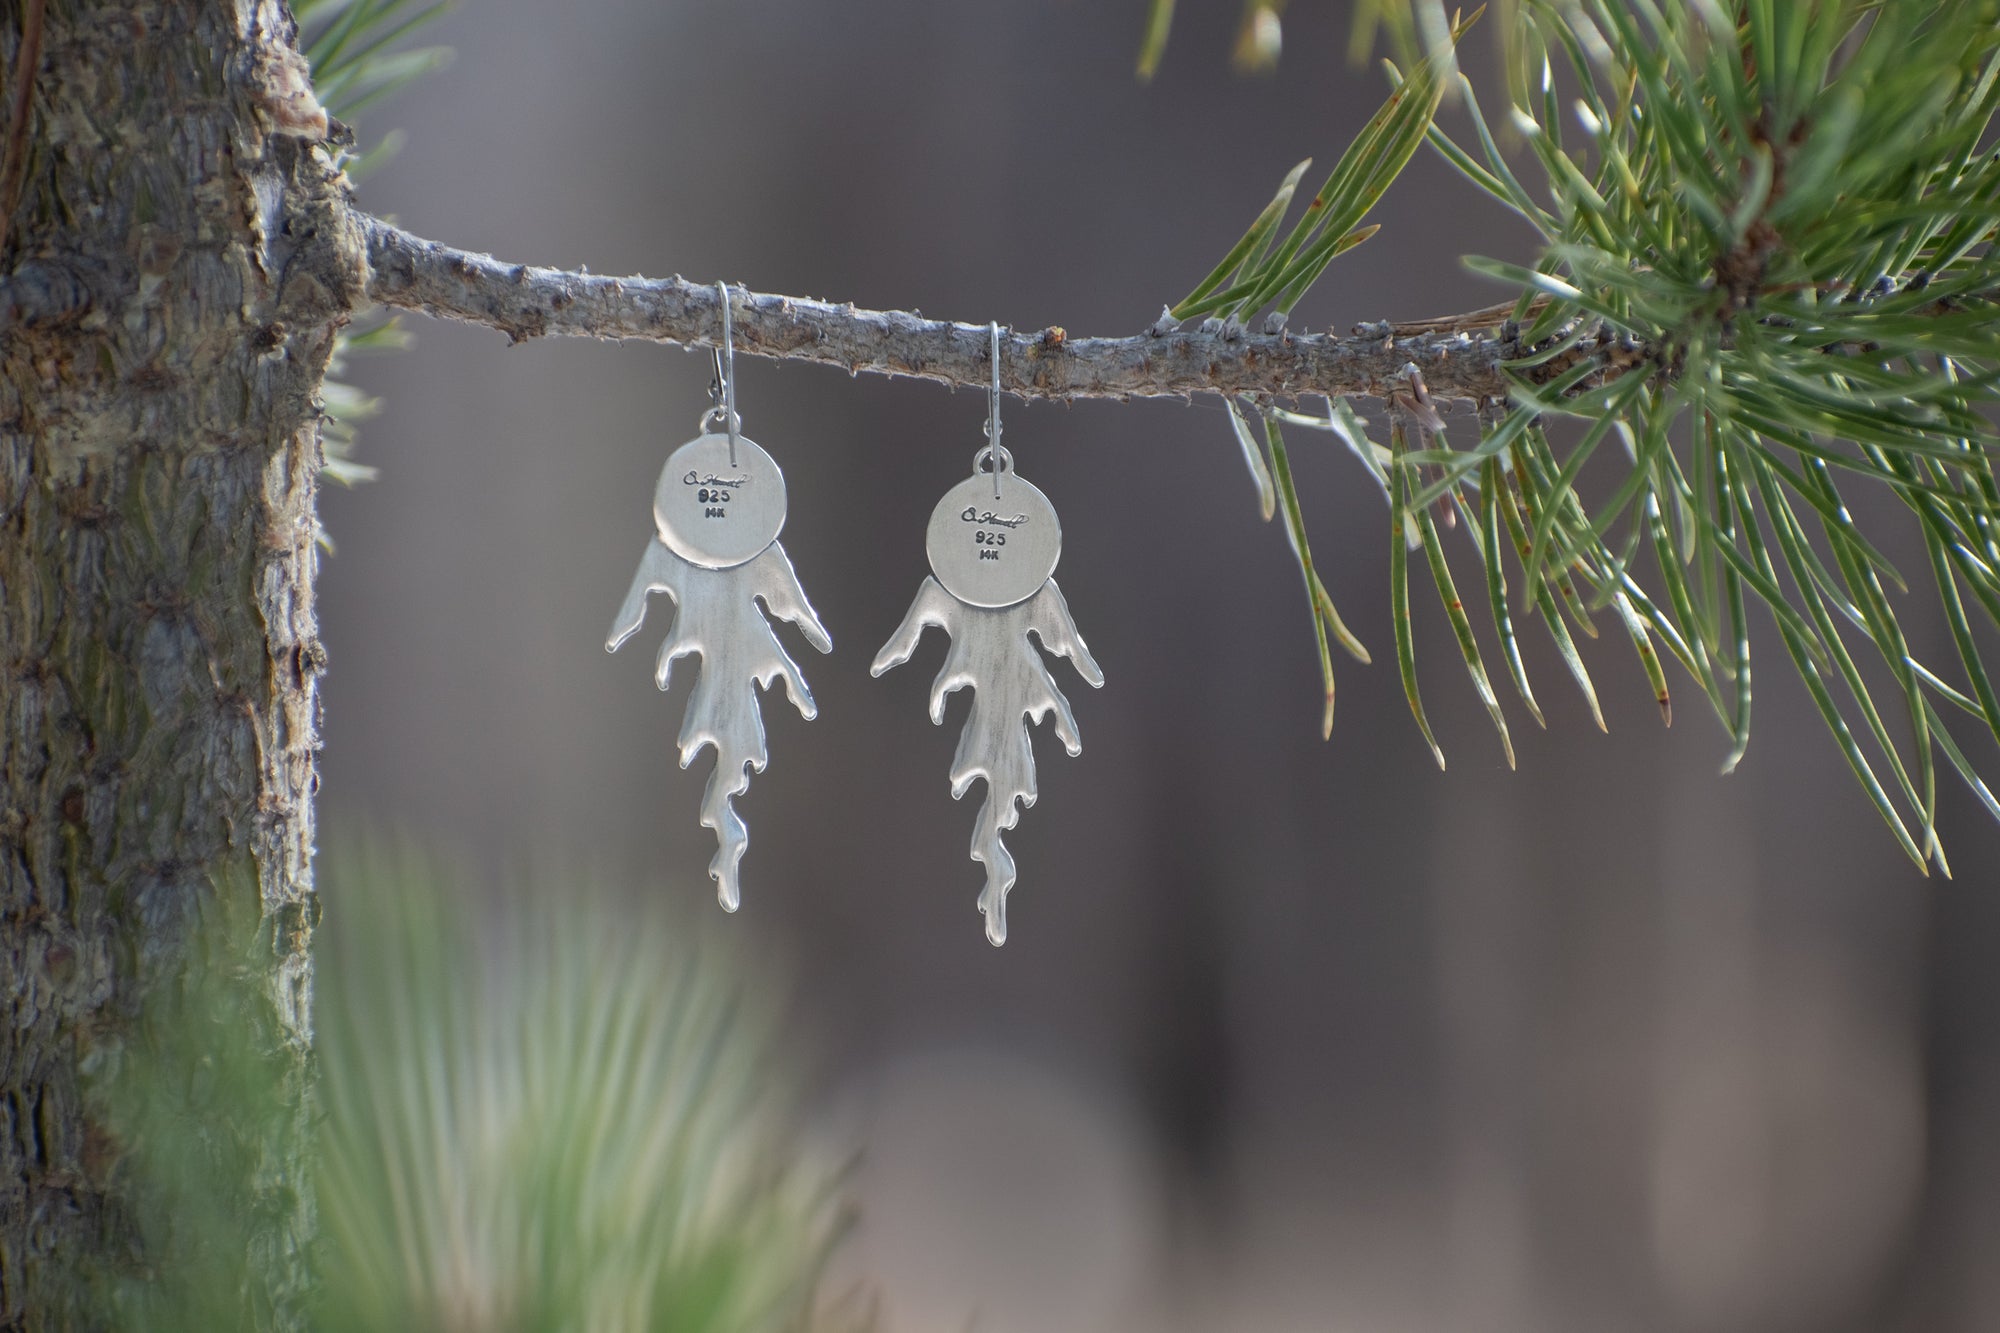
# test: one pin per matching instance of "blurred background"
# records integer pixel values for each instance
(1288, 1034)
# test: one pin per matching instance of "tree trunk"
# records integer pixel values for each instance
(177, 262)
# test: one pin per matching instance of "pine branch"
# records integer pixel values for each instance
(1770, 269)
(1460, 358)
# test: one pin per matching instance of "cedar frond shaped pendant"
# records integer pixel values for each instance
(993, 545)
(715, 553)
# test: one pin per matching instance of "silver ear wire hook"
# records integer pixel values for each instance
(725, 370)
(993, 450)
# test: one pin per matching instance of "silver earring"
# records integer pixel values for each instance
(993, 544)
(717, 512)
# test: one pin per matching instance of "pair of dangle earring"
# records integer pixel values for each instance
(993, 543)
(717, 512)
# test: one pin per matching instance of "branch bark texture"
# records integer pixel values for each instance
(1459, 357)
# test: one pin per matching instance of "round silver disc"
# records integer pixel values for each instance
(714, 514)
(989, 552)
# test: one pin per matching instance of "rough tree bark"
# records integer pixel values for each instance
(177, 260)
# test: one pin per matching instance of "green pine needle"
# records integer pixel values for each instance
(1769, 265)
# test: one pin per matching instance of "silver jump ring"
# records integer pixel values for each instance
(998, 458)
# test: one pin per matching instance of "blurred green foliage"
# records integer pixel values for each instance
(200, 1095)
(359, 56)
(550, 1107)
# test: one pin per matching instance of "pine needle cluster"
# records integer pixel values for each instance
(1767, 281)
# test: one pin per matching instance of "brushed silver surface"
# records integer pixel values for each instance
(1012, 689)
(716, 616)
(993, 552)
(716, 513)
